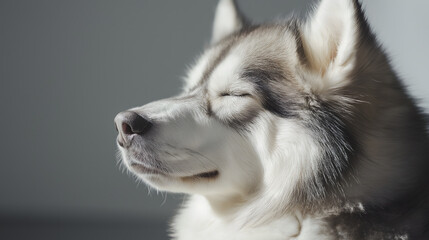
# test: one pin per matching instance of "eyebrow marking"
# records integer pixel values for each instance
(270, 81)
(213, 64)
(228, 43)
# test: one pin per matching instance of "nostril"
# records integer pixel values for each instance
(126, 129)
(129, 123)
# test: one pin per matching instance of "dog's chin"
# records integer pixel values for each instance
(140, 169)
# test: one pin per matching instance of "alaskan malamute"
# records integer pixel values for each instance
(289, 130)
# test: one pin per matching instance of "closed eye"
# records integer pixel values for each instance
(227, 94)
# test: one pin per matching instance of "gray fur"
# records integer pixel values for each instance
(374, 136)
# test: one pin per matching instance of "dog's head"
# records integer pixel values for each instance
(264, 110)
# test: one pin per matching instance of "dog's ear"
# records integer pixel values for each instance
(331, 36)
(228, 20)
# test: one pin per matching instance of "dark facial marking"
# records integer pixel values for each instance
(268, 77)
(208, 108)
(280, 97)
(326, 122)
(294, 28)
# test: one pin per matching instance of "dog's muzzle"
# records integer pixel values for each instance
(129, 124)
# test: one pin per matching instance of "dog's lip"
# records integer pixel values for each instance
(205, 175)
(140, 168)
(145, 170)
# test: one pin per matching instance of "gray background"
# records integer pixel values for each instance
(66, 69)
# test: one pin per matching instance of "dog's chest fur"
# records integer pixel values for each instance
(199, 221)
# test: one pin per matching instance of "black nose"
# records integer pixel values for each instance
(128, 123)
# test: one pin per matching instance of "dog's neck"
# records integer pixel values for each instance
(204, 219)
(213, 218)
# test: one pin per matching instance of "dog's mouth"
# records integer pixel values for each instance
(205, 175)
(150, 171)
(211, 174)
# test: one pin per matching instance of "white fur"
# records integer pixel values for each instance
(259, 169)
(199, 221)
(329, 39)
(227, 20)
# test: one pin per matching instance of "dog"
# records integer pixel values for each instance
(298, 129)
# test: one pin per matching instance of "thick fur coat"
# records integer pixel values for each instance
(291, 130)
